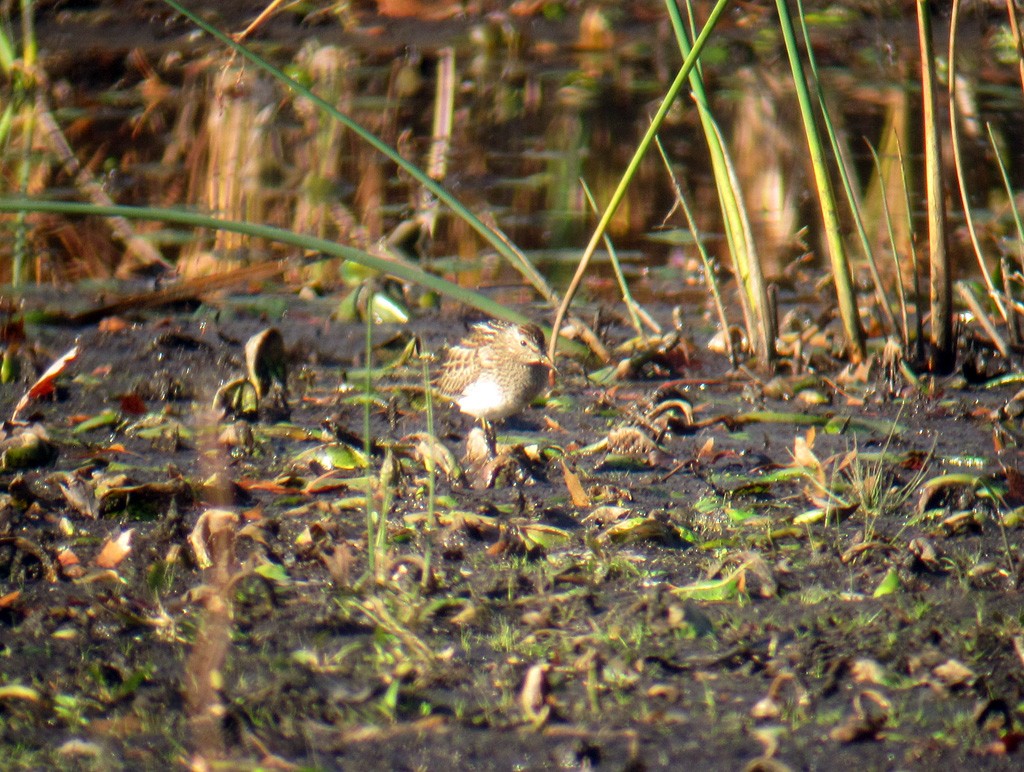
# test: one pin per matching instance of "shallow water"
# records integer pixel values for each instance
(158, 120)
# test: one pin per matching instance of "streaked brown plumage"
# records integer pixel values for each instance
(496, 370)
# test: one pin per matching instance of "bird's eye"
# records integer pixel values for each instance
(522, 343)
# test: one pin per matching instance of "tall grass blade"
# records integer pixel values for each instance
(963, 289)
(914, 262)
(632, 307)
(1018, 40)
(844, 177)
(954, 135)
(941, 295)
(634, 164)
(1009, 195)
(400, 270)
(709, 271)
(757, 313)
(373, 518)
(431, 464)
(841, 274)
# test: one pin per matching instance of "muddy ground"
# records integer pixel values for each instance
(690, 565)
(688, 606)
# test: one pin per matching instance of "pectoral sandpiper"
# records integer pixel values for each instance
(495, 371)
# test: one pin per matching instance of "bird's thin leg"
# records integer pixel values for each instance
(490, 437)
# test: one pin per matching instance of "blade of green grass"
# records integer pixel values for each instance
(634, 164)
(1009, 193)
(632, 307)
(709, 271)
(841, 274)
(400, 270)
(844, 178)
(757, 309)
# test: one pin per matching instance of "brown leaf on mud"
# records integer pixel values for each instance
(575, 488)
(924, 552)
(953, 673)
(70, 566)
(606, 514)
(115, 550)
(870, 715)
(8, 600)
(426, 10)
(79, 495)
(867, 671)
(771, 705)
(803, 454)
(533, 695)
(132, 404)
(339, 563)
(112, 324)
(429, 450)
(706, 453)
(44, 385)
(1014, 481)
(213, 531)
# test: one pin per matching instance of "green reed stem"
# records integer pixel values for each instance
(1009, 194)
(757, 313)
(632, 307)
(400, 270)
(915, 264)
(709, 270)
(431, 465)
(372, 517)
(841, 274)
(958, 164)
(23, 81)
(844, 178)
(634, 164)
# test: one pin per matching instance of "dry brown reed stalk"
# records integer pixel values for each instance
(941, 281)
(954, 135)
(882, 202)
(237, 128)
(321, 158)
(766, 153)
(213, 541)
(140, 252)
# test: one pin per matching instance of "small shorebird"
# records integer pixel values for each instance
(495, 371)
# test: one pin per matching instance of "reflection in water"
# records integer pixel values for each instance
(534, 113)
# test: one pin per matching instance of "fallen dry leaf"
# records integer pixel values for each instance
(572, 483)
(44, 385)
(115, 550)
